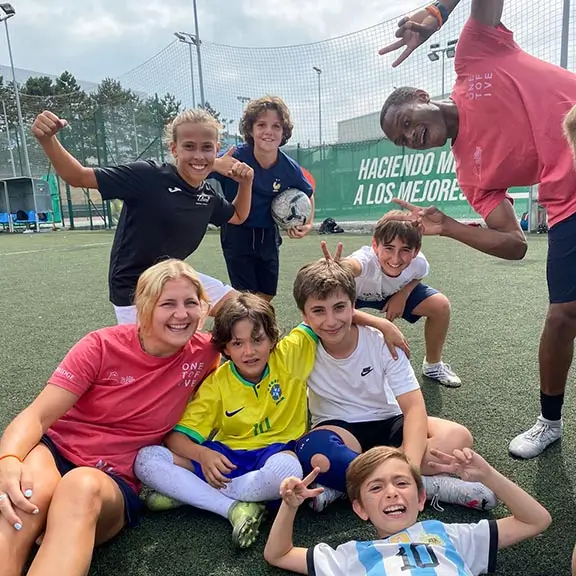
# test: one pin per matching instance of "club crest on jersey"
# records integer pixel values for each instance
(276, 186)
(432, 539)
(275, 392)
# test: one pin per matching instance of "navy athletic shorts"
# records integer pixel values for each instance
(252, 258)
(418, 295)
(133, 505)
(561, 262)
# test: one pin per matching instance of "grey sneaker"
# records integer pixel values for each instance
(441, 372)
(453, 490)
(534, 441)
(323, 500)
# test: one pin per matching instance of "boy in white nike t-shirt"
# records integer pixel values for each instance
(387, 491)
(360, 397)
(389, 277)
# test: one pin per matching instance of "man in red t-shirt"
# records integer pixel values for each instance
(504, 118)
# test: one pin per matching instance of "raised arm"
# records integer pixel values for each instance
(503, 238)
(528, 517)
(45, 127)
(415, 29)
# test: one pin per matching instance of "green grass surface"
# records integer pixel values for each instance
(54, 291)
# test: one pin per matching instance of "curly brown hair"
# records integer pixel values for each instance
(256, 108)
(240, 307)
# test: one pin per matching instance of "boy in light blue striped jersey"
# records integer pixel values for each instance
(386, 490)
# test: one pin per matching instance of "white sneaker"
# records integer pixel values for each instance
(453, 490)
(323, 500)
(441, 372)
(535, 440)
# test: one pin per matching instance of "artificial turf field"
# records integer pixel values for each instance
(54, 291)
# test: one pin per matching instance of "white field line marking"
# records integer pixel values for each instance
(64, 249)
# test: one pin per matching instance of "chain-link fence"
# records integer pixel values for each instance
(333, 88)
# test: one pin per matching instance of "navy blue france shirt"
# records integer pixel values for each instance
(285, 173)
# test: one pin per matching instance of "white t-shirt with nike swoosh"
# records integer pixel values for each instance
(362, 387)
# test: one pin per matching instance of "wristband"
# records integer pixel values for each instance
(436, 13)
(443, 11)
(11, 456)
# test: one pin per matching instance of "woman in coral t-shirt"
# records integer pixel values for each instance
(70, 454)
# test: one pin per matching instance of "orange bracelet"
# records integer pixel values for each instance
(11, 456)
(436, 13)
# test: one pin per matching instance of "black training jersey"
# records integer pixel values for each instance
(163, 217)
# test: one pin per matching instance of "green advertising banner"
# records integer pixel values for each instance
(357, 181)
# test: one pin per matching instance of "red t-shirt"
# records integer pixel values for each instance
(511, 108)
(127, 399)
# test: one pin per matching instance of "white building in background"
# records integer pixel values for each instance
(360, 128)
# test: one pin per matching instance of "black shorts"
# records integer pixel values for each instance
(561, 262)
(133, 506)
(252, 257)
(377, 433)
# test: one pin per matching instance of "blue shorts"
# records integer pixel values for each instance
(561, 261)
(419, 294)
(133, 506)
(244, 460)
(252, 257)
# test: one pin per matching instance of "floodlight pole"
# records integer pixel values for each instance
(9, 139)
(17, 93)
(433, 56)
(198, 42)
(186, 38)
(319, 73)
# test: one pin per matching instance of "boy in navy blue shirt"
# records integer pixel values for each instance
(251, 248)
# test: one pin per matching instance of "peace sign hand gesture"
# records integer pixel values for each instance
(294, 491)
(413, 30)
(431, 220)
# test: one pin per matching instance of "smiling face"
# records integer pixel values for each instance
(330, 318)
(194, 149)
(417, 123)
(389, 498)
(175, 318)
(394, 256)
(249, 349)
(267, 132)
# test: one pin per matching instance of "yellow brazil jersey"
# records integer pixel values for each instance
(248, 416)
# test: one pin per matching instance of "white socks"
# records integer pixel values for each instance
(264, 484)
(155, 467)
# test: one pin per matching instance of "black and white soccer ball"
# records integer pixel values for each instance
(291, 208)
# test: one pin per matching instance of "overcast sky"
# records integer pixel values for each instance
(98, 38)
(254, 47)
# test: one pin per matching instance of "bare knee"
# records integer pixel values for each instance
(449, 436)
(320, 461)
(439, 306)
(79, 495)
(561, 319)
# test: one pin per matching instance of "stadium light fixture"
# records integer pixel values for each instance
(6, 11)
(437, 52)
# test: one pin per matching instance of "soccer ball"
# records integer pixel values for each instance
(291, 208)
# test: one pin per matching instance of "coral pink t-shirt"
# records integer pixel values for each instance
(127, 399)
(511, 108)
